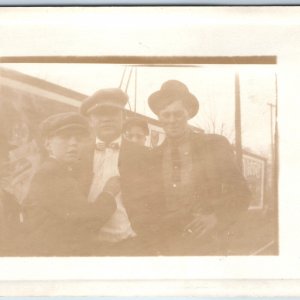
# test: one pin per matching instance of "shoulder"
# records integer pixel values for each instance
(49, 169)
(43, 180)
(213, 139)
(216, 140)
(48, 166)
(131, 148)
(213, 144)
(160, 148)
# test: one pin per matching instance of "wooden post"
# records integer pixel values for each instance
(238, 126)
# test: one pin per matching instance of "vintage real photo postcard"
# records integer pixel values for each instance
(154, 143)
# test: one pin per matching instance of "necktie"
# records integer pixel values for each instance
(103, 146)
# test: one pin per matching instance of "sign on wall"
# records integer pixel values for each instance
(254, 172)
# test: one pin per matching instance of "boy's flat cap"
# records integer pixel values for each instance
(63, 121)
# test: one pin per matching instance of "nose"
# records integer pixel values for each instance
(134, 139)
(106, 118)
(171, 118)
(73, 141)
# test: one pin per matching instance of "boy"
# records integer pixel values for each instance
(58, 219)
(136, 130)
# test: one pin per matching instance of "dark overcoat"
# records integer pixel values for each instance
(133, 165)
(58, 220)
(219, 187)
(135, 186)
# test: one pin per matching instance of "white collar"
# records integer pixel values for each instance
(116, 141)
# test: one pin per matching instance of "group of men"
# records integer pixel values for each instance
(106, 194)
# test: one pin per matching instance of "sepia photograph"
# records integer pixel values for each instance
(139, 160)
(149, 151)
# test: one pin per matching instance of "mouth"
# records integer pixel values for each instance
(72, 153)
(106, 126)
(173, 127)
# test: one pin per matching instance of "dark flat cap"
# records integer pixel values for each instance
(138, 122)
(63, 121)
(106, 97)
(170, 91)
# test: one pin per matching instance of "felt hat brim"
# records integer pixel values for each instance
(162, 98)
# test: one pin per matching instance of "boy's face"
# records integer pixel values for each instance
(136, 134)
(66, 146)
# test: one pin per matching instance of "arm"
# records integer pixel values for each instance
(136, 186)
(234, 194)
(226, 193)
(62, 198)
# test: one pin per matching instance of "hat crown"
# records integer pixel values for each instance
(170, 91)
(105, 97)
(110, 93)
(62, 120)
(174, 85)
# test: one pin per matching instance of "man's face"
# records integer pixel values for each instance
(66, 146)
(174, 118)
(136, 134)
(107, 123)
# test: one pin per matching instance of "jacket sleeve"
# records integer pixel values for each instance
(229, 195)
(62, 198)
(136, 187)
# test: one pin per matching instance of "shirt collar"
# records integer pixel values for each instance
(116, 141)
(182, 140)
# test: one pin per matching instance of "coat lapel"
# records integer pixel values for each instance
(122, 154)
(125, 157)
(207, 172)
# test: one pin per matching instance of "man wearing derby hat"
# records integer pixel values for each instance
(57, 219)
(111, 155)
(198, 187)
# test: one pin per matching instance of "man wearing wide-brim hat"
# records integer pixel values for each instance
(111, 155)
(199, 190)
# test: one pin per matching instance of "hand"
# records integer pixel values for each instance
(202, 225)
(113, 186)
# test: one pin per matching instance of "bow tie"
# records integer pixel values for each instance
(103, 146)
